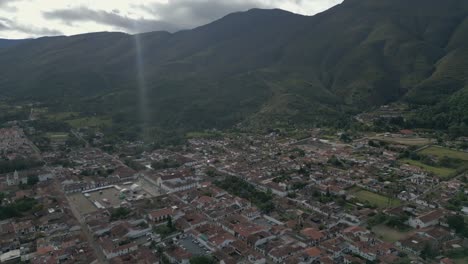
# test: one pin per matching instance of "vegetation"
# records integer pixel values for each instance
(437, 160)
(374, 199)
(389, 234)
(457, 223)
(120, 213)
(445, 152)
(164, 164)
(202, 260)
(32, 180)
(17, 208)
(134, 164)
(458, 201)
(93, 122)
(241, 188)
(165, 230)
(196, 83)
(440, 171)
(18, 164)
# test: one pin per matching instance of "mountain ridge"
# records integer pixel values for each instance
(260, 67)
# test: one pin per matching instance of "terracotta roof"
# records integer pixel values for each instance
(431, 216)
(312, 233)
(354, 229)
(161, 213)
(313, 252)
(446, 261)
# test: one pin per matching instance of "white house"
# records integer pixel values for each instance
(428, 219)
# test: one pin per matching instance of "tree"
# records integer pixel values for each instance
(211, 172)
(202, 260)
(120, 213)
(33, 180)
(429, 252)
(345, 138)
(169, 224)
(457, 223)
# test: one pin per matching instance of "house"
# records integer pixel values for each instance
(437, 233)
(161, 214)
(415, 243)
(259, 238)
(407, 132)
(311, 255)
(314, 236)
(111, 251)
(178, 255)
(428, 219)
(355, 231)
(10, 256)
(23, 228)
(446, 261)
(279, 254)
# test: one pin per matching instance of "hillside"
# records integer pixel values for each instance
(6, 43)
(261, 68)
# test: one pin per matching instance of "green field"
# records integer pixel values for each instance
(461, 261)
(389, 234)
(62, 116)
(57, 136)
(439, 171)
(445, 152)
(92, 122)
(378, 200)
(409, 141)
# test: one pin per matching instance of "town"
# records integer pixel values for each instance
(390, 197)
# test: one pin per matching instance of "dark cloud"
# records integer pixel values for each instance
(11, 25)
(191, 13)
(172, 16)
(114, 19)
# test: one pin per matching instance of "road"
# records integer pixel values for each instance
(437, 186)
(79, 137)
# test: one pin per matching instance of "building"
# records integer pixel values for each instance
(431, 218)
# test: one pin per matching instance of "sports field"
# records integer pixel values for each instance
(389, 234)
(378, 200)
(445, 152)
(439, 171)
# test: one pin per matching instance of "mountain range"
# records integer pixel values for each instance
(260, 68)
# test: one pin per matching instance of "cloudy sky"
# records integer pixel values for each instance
(35, 18)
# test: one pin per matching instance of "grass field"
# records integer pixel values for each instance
(62, 116)
(445, 152)
(409, 141)
(92, 122)
(57, 136)
(378, 200)
(439, 171)
(461, 261)
(389, 234)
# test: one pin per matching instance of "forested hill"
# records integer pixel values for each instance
(260, 67)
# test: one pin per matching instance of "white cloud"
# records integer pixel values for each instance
(34, 18)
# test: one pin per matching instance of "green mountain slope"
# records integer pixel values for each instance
(260, 68)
